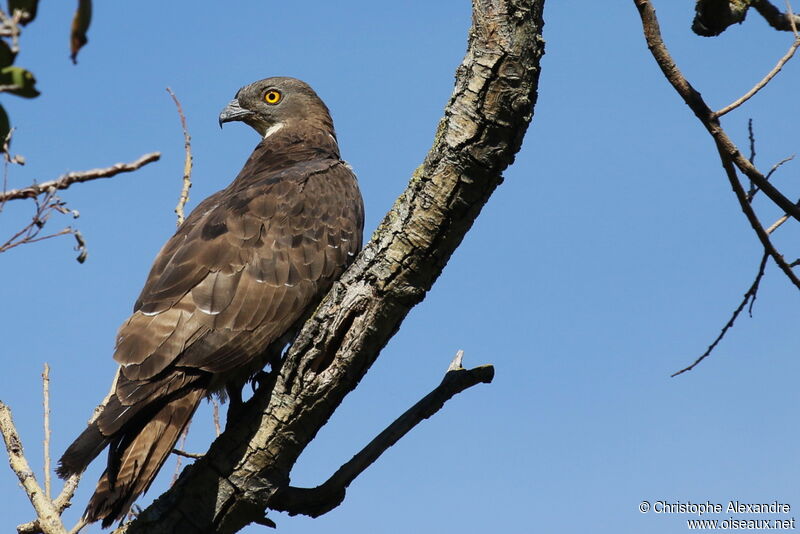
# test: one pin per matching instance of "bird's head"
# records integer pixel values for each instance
(269, 105)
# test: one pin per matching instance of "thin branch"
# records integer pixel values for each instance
(178, 452)
(179, 211)
(11, 243)
(764, 81)
(785, 22)
(762, 234)
(749, 296)
(179, 459)
(695, 101)
(187, 161)
(62, 502)
(9, 27)
(63, 182)
(46, 444)
(754, 190)
(777, 224)
(322, 499)
(751, 193)
(49, 519)
(45, 206)
(215, 406)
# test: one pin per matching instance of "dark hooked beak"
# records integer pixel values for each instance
(233, 112)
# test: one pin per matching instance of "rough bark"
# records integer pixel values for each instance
(481, 131)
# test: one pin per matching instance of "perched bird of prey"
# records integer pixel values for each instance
(228, 290)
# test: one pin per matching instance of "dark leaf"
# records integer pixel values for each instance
(6, 55)
(80, 25)
(4, 128)
(28, 8)
(18, 81)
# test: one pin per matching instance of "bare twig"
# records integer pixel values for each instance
(754, 190)
(9, 27)
(321, 499)
(792, 22)
(178, 452)
(215, 405)
(749, 296)
(187, 162)
(762, 234)
(178, 461)
(62, 502)
(752, 158)
(46, 445)
(49, 519)
(79, 526)
(44, 195)
(777, 224)
(45, 206)
(63, 182)
(764, 81)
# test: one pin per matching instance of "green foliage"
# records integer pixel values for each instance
(18, 81)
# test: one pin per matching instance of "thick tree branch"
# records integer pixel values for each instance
(49, 520)
(327, 496)
(61, 503)
(483, 127)
(68, 179)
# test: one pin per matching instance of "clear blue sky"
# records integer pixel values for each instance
(609, 258)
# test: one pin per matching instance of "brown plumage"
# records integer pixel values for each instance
(228, 290)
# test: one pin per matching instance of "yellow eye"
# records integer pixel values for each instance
(272, 96)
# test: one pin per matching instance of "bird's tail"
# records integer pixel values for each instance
(82, 451)
(134, 462)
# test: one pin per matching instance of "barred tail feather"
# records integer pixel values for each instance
(83, 450)
(140, 460)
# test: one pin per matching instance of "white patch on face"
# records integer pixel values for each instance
(272, 129)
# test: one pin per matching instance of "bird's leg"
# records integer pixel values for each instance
(259, 379)
(274, 358)
(235, 403)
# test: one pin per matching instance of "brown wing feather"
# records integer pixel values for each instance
(251, 274)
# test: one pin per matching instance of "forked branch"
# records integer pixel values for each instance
(68, 179)
(728, 150)
(327, 496)
(729, 153)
